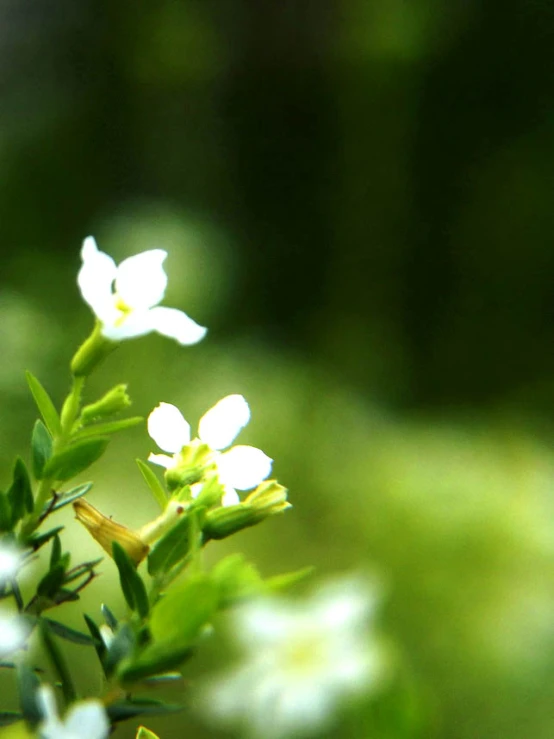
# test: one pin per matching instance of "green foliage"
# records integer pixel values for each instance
(74, 459)
(45, 405)
(41, 448)
(153, 483)
(20, 494)
(171, 548)
(132, 585)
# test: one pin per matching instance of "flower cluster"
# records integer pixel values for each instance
(301, 660)
(239, 468)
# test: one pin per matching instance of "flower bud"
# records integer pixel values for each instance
(269, 497)
(267, 500)
(114, 401)
(106, 531)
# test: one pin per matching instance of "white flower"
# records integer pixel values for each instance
(239, 468)
(301, 661)
(13, 633)
(131, 309)
(10, 561)
(85, 719)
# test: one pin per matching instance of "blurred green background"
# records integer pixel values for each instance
(357, 198)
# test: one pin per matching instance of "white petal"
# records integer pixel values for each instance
(10, 559)
(168, 428)
(220, 425)
(128, 325)
(141, 280)
(12, 634)
(163, 460)
(95, 279)
(243, 467)
(230, 497)
(176, 325)
(88, 719)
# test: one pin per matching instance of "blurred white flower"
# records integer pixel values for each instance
(13, 633)
(239, 468)
(131, 309)
(10, 561)
(301, 661)
(85, 719)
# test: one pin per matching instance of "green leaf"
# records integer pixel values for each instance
(38, 540)
(282, 582)
(41, 448)
(110, 619)
(153, 483)
(144, 733)
(130, 708)
(20, 494)
(10, 717)
(171, 548)
(97, 640)
(75, 458)
(51, 582)
(85, 568)
(178, 617)
(236, 579)
(69, 497)
(104, 429)
(132, 585)
(45, 405)
(121, 647)
(5, 513)
(56, 553)
(156, 658)
(28, 683)
(67, 633)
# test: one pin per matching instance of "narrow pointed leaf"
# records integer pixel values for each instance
(70, 496)
(120, 648)
(28, 683)
(52, 581)
(41, 448)
(75, 459)
(154, 660)
(132, 585)
(104, 429)
(56, 553)
(20, 494)
(287, 580)
(131, 708)
(110, 619)
(67, 633)
(45, 405)
(38, 540)
(171, 548)
(97, 640)
(5, 513)
(156, 488)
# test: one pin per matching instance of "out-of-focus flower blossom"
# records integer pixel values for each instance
(10, 561)
(131, 309)
(13, 633)
(302, 660)
(85, 719)
(239, 468)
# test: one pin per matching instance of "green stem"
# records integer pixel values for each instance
(59, 664)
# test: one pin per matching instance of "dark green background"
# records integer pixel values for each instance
(357, 198)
